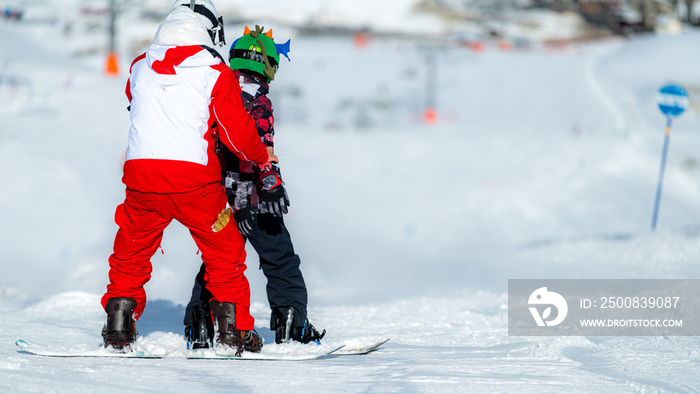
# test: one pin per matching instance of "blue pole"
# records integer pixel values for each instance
(661, 174)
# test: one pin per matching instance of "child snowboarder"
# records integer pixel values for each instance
(259, 199)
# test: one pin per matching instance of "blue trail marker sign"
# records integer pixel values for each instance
(672, 100)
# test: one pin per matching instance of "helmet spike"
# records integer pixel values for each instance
(283, 49)
(269, 34)
(246, 31)
(257, 32)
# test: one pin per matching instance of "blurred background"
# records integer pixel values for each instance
(428, 147)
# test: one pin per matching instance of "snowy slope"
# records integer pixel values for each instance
(543, 165)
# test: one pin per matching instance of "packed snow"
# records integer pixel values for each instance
(543, 163)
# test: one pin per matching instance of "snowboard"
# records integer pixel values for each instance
(82, 351)
(359, 350)
(269, 353)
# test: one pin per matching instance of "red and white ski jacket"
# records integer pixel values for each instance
(177, 95)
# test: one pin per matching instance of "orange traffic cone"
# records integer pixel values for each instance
(112, 68)
(430, 115)
(361, 40)
(504, 45)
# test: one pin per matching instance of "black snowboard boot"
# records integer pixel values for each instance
(285, 329)
(120, 330)
(200, 335)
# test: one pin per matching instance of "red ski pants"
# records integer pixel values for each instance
(143, 217)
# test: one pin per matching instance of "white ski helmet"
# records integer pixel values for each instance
(206, 12)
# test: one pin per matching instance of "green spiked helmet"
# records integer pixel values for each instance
(257, 52)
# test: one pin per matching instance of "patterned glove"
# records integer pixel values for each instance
(241, 205)
(273, 196)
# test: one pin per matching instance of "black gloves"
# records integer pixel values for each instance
(270, 197)
(243, 219)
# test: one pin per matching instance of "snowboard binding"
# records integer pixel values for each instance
(200, 335)
(283, 323)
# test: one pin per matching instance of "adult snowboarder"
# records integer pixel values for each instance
(259, 199)
(182, 95)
